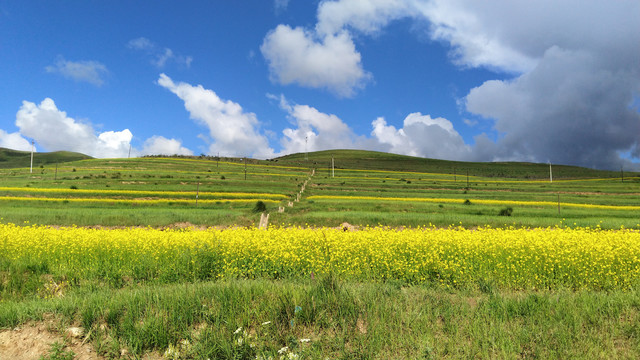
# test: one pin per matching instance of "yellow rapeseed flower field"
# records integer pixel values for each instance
(538, 258)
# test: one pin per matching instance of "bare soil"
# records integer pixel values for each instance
(33, 340)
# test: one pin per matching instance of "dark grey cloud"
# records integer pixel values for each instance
(574, 108)
(576, 69)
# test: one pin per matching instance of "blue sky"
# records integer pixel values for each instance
(498, 80)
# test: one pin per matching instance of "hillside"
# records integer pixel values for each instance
(362, 159)
(20, 159)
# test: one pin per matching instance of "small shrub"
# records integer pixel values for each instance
(260, 207)
(222, 177)
(74, 170)
(73, 187)
(506, 211)
(467, 202)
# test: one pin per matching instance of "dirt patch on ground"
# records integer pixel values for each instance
(184, 225)
(33, 340)
(345, 226)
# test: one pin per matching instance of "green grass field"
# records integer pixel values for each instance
(365, 188)
(188, 316)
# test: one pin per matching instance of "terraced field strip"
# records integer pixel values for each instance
(459, 177)
(479, 201)
(136, 201)
(112, 193)
(209, 162)
(62, 171)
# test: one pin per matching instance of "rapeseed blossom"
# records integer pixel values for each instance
(534, 258)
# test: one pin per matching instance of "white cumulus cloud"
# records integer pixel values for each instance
(234, 131)
(54, 130)
(81, 71)
(14, 141)
(366, 16)
(314, 130)
(159, 145)
(299, 56)
(421, 135)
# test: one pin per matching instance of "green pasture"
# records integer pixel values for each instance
(215, 182)
(320, 213)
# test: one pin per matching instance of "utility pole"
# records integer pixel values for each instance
(333, 171)
(217, 159)
(245, 168)
(55, 177)
(467, 178)
(621, 174)
(32, 147)
(306, 150)
(550, 173)
(128, 157)
(197, 192)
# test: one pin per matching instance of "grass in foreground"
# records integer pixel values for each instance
(325, 318)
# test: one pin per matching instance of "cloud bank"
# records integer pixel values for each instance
(54, 130)
(421, 135)
(574, 68)
(575, 79)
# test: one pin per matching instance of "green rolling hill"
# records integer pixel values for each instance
(20, 159)
(361, 159)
